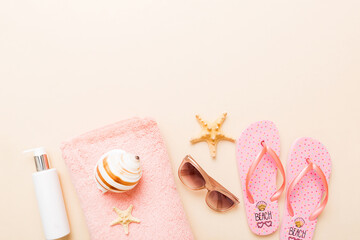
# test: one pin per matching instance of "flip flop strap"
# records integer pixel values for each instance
(296, 180)
(266, 149)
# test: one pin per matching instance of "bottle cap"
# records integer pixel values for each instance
(40, 157)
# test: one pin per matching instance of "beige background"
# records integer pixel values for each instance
(67, 67)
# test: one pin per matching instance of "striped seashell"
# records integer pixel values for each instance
(117, 171)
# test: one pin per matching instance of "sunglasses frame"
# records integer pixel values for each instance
(210, 184)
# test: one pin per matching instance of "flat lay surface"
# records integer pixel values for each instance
(69, 67)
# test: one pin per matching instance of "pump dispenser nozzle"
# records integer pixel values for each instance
(40, 157)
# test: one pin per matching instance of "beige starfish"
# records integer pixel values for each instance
(125, 218)
(211, 133)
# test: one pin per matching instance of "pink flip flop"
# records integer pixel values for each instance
(308, 171)
(257, 152)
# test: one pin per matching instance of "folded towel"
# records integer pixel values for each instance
(155, 199)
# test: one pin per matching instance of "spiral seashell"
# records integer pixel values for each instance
(117, 171)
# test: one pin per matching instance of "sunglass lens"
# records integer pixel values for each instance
(191, 176)
(219, 201)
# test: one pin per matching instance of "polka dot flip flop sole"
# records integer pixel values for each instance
(257, 152)
(308, 171)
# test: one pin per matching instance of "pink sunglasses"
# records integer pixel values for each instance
(194, 177)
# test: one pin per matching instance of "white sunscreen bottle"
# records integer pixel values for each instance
(49, 197)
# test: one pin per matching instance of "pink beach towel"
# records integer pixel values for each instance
(155, 199)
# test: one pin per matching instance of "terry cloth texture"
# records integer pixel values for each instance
(155, 199)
